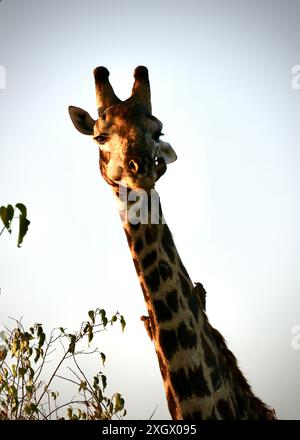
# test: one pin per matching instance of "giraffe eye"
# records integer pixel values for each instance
(102, 138)
(156, 135)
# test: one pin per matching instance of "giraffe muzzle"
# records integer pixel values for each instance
(143, 172)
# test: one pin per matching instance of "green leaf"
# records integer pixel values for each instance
(23, 228)
(96, 381)
(31, 373)
(27, 409)
(86, 327)
(29, 389)
(71, 348)
(104, 381)
(6, 214)
(22, 371)
(42, 338)
(103, 357)
(13, 391)
(34, 408)
(103, 314)
(37, 354)
(3, 353)
(90, 334)
(3, 337)
(10, 212)
(14, 370)
(123, 322)
(92, 316)
(22, 208)
(3, 215)
(114, 318)
(119, 402)
(39, 329)
(30, 408)
(82, 385)
(28, 336)
(15, 347)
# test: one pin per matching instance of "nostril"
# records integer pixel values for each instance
(133, 166)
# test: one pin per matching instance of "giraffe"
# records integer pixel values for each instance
(201, 376)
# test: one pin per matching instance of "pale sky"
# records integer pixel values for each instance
(221, 81)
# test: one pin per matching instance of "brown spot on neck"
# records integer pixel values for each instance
(151, 233)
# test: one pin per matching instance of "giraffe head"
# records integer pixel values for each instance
(128, 135)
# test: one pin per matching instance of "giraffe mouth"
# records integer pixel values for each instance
(135, 183)
(161, 167)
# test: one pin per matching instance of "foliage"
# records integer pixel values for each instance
(24, 354)
(7, 215)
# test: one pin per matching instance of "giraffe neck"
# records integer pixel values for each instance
(201, 377)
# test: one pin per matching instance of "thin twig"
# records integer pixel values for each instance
(64, 349)
(87, 381)
(154, 411)
(43, 358)
(75, 374)
(69, 380)
(96, 350)
(65, 404)
(51, 378)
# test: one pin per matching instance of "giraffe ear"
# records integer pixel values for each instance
(81, 119)
(167, 152)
